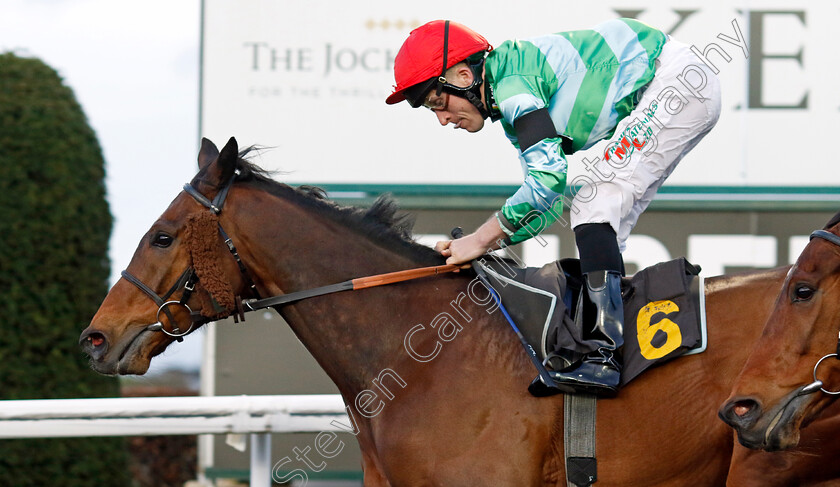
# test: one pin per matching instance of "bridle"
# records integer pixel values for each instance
(189, 278)
(817, 385)
(187, 281)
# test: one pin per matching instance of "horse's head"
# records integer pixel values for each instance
(781, 389)
(181, 276)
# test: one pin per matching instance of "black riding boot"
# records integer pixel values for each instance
(599, 372)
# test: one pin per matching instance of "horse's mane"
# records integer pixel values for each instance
(382, 222)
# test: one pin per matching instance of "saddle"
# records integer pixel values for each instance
(663, 310)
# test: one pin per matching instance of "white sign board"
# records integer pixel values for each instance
(309, 80)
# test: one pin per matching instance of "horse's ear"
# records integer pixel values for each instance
(216, 167)
(208, 153)
(226, 163)
(227, 160)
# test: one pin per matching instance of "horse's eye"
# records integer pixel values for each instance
(162, 240)
(803, 292)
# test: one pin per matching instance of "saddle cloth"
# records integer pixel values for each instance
(664, 314)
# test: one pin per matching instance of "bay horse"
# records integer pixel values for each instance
(793, 373)
(436, 386)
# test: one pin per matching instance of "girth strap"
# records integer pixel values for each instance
(579, 439)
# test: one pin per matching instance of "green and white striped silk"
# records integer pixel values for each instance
(589, 81)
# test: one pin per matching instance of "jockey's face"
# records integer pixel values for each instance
(455, 109)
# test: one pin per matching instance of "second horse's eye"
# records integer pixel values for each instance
(803, 292)
(162, 240)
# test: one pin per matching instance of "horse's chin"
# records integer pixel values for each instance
(135, 365)
(777, 438)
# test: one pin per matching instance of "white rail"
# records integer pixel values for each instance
(142, 416)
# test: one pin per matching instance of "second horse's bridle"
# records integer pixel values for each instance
(817, 385)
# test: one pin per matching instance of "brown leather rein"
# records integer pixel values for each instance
(189, 279)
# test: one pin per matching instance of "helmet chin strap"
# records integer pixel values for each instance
(475, 99)
(472, 94)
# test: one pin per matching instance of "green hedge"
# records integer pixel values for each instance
(54, 231)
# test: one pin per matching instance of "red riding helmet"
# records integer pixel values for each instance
(428, 52)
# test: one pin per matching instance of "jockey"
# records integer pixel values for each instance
(621, 81)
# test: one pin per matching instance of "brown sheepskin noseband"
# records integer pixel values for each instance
(201, 237)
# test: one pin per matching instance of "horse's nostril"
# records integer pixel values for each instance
(94, 343)
(741, 413)
(742, 408)
(96, 339)
(93, 340)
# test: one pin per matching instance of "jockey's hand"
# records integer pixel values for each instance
(462, 250)
(474, 245)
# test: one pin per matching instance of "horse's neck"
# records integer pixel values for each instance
(352, 334)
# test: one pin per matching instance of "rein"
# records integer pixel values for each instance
(351, 285)
(189, 278)
(817, 385)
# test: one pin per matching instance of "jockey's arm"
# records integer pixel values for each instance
(523, 101)
(539, 201)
